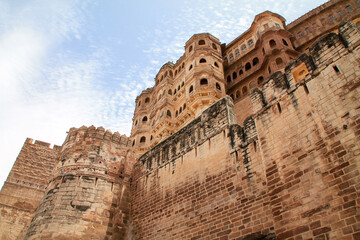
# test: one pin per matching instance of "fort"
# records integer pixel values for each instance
(255, 139)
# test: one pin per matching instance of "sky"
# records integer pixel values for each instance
(68, 63)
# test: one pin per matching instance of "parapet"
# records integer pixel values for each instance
(82, 133)
(41, 143)
(211, 122)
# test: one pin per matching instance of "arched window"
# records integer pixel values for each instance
(190, 67)
(191, 89)
(190, 48)
(203, 60)
(139, 103)
(255, 61)
(269, 69)
(182, 84)
(272, 43)
(214, 46)
(228, 79)
(180, 110)
(133, 143)
(174, 91)
(168, 113)
(143, 139)
(263, 51)
(232, 96)
(151, 137)
(203, 81)
(260, 80)
(176, 113)
(144, 119)
(234, 75)
(216, 64)
(147, 100)
(178, 87)
(244, 90)
(247, 66)
(218, 86)
(252, 85)
(201, 42)
(250, 43)
(237, 94)
(175, 72)
(300, 34)
(279, 61)
(237, 52)
(184, 106)
(136, 122)
(170, 92)
(241, 72)
(243, 48)
(307, 30)
(285, 42)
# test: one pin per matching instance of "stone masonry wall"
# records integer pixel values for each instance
(210, 190)
(291, 172)
(24, 187)
(310, 141)
(88, 194)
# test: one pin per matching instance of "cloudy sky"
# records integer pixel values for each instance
(70, 63)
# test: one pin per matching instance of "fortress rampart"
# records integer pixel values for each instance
(261, 143)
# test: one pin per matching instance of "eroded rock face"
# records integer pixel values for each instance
(88, 195)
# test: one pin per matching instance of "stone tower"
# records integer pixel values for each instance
(88, 194)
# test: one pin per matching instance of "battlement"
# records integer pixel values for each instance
(41, 143)
(212, 121)
(84, 133)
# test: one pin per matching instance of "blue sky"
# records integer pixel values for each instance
(70, 63)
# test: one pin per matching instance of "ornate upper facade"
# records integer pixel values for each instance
(209, 70)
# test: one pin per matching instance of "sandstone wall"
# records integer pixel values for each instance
(209, 187)
(291, 172)
(310, 141)
(88, 194)
(24, 187)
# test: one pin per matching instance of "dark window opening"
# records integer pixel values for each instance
(272, 43)
(170, 92)
(216, 64)
(279, 107)
(191, 89)
(190, 67)
(232, 96)
(285, 42)
(214, 46)
(241, 72)
(234, 75)
(144, 119)
(190, 48)
(348, 8)
(202, 42)
(168, 113)
(255, 61)
(263, 51)
(260, 80)
(237, 94)
(143, 139)
(184, 106)
(306, 89)
(228, 79)
(147, 100)
(218, 86)
(336, 69)
(203, 60)
(203, 81)
(247, 66)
